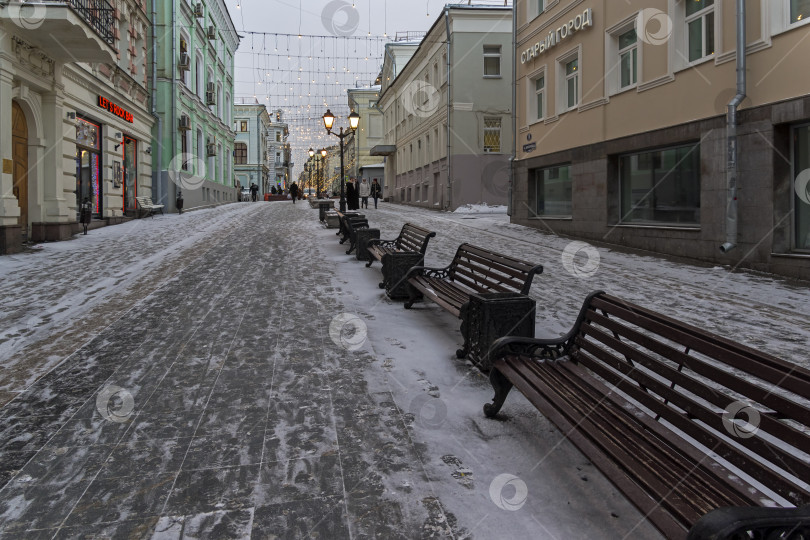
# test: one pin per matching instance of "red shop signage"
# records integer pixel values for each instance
(105, 103)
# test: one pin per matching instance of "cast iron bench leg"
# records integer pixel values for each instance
(502, 386)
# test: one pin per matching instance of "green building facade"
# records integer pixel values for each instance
(193, 89)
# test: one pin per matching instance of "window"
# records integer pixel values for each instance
(801, 191)
(700, 28)
(799, 10)
(200, 151)
(661, 186)
(184, 140)
(240, 154)
(227, 118)
(243, 125)
(278, 136)
(628, 59)
(492, 60)
(492, 134)
(183, 49)
(571, 72)
(219, 101)
(538, 97)
(198, 76)
(550, 191)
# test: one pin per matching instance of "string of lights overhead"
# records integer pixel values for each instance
(339, 44)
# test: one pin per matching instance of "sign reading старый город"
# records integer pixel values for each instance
(581, 21)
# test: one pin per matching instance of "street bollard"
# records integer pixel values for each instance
(179, 202)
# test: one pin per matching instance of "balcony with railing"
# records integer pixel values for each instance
(66, 30)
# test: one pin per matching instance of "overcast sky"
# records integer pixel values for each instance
(341, 47)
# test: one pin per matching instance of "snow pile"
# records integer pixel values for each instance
(483, 208)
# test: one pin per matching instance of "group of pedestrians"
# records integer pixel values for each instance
(357, 195)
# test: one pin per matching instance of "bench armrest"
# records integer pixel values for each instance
(550, 348)
(740, 522)
(546, 348)
(381, 243)
(438, 273)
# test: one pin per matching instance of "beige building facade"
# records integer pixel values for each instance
(75, 124)
(622, 127)
(369, 133)
(447, 116)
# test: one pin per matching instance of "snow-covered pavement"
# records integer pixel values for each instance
(175, 378)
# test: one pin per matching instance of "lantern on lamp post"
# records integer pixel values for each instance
(328, 122)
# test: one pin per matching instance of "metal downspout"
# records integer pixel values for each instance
(733, 165)
(514, 115)
(173, 127)
(158, 185)
(449, 109)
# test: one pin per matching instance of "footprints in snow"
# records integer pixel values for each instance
(461, 473)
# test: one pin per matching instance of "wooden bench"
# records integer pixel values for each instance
(682, 421)
(398, 256)
(146, 205)
(474, 270)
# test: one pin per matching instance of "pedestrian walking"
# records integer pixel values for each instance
(351, 196)
(365, 191)
(254, 192)
(376, 191)
(294, 191)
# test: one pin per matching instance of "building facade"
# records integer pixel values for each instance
(194, 49)
(624, 136)
(447, 115)
(369, 132)
(251, 166)
(75, 125)
(278, 150)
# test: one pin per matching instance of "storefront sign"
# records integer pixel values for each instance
(105, 103)
(556, 36)
(531, 147)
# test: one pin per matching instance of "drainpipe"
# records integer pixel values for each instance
(174, 86)
(514, 115)
(449, 109)
(159, 146)
(733, 166)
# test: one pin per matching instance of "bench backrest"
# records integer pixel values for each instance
(486, 271)
(414, 238)
(697, 382)
(144, 201)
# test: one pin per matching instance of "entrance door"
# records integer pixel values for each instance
(130, 174)
(19, 145)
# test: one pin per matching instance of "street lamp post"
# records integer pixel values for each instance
(328, 122)
(311, 161)
(322, 163)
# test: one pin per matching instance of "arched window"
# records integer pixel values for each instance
(240, 154)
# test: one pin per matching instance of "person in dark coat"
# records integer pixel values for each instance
(352, 202)
(376, 191)
(254, 192)
(294, 191)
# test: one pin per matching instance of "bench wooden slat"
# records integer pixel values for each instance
(774, 400)
(744, 460)
(512, 368)
(473, 260)
(663, 467)
(771, 369)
